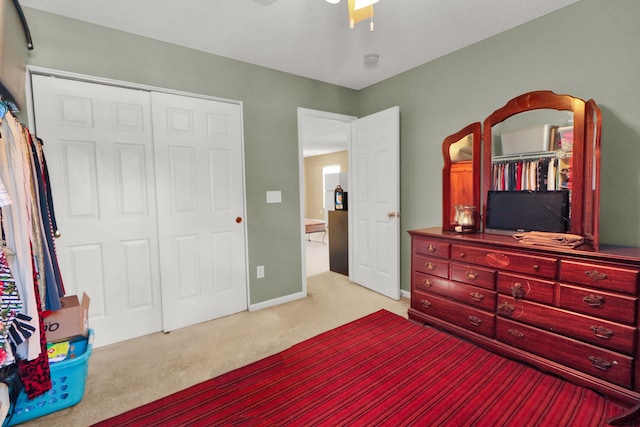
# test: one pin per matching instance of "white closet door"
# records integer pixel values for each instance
(199, 175)
(98, 144)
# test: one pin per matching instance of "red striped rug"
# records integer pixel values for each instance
(381, 370)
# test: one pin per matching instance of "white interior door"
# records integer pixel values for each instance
(374, 202)
(199, 174)
(99, 147)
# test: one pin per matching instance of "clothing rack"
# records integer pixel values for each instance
(25, 26)
(560, 154)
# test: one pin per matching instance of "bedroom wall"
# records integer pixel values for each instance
(313, 207)
(589, 50)
(270, 102)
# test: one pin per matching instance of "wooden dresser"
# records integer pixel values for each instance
(571, 312)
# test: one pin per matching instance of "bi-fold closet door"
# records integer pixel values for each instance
(149, 198)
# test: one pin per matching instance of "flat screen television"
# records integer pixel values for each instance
(528, 211)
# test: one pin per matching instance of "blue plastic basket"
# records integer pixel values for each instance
(68, 379)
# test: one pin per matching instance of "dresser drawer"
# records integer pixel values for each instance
(430, 247)
(596, 331)
(472, 295)
(434, 266)
(526, 288)
(473, 275)
(598, 362)
(607, 305)
(428, 283)
(538, 266)
(615, 279)
(459, 314)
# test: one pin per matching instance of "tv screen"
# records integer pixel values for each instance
(528, 211)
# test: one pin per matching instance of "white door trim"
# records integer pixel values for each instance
(31, 70)
(306, 112)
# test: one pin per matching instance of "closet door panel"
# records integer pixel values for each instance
(137, 263)
(131, 179)
(199, 176)
(182, 180)
(79, 159)
(85, 269)
(99, 146)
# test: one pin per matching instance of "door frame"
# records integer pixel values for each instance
(306, 112)
(32, 70)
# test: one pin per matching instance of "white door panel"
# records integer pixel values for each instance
(202, 252)
(98, 143)
(374, 202)
(147, 209)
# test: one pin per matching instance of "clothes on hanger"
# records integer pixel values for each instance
(31, 280)
(525, 175)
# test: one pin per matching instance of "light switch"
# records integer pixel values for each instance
(274, 196)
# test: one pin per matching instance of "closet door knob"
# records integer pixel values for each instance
(238, 220)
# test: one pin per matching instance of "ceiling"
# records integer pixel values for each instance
(311, 38)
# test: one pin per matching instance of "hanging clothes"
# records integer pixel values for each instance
(17, 219)
(30, 277)
(50, 279)
(537, 174)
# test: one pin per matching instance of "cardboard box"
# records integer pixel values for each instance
(71, 321)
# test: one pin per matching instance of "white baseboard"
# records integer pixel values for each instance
(277, 301)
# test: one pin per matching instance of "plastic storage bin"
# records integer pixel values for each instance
(68, 380)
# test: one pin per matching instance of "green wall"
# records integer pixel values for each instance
(270, 101)
(587, 50)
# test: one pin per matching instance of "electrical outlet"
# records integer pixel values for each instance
(260, 271)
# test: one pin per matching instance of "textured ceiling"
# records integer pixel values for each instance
(311, 38)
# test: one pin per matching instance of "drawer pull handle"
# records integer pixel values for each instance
(430, 266)
(517, 291)
(600, 363)
(595, 275)
(427, 283)
(462, 255)
(425, 303)
(471, 275)
(476, 297)
(536, 267)
(506, 309)
(594, 301)
(475, 321)
(516, 333)
(431, 248)
(602, 332)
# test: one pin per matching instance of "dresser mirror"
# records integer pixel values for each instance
(540, 158)
(461, 176)
(532, 133)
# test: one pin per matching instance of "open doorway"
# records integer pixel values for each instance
(323, 140)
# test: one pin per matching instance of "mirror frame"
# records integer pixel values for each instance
(586, 155)
(473, 129)
(591, 199)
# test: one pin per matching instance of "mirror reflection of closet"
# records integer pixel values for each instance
(543, 131)
(461, 175)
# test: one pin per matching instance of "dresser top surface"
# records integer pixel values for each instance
(606, 252)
